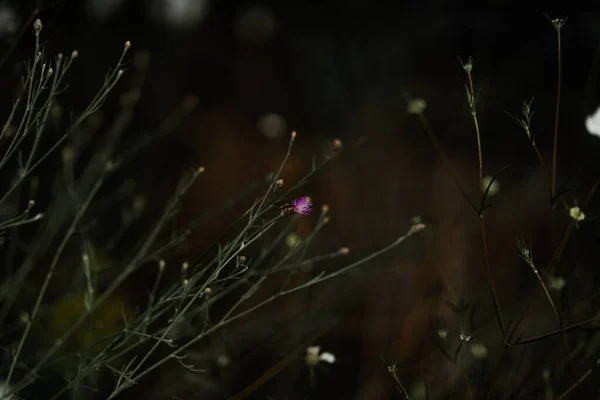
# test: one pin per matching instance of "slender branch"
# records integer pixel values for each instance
(319, 279)
(579, 381)
(53, 265)
(471, 99)
(558, 25)
(561, 331)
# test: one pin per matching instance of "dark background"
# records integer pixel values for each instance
(343, 70)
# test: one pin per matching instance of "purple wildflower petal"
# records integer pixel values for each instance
(302, 206)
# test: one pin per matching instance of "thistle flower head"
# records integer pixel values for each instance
(302, 206)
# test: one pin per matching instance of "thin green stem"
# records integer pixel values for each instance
(319, 279)
(491, 278)
(556, 117)
(579, 381)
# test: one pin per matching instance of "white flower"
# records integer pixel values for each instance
(592, 123)
(314, 356)
(576, 213)
(442, 333)
(416, 106)
(328, 357)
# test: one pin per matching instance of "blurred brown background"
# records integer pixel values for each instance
(342, 70)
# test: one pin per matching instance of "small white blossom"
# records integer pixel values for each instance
(592, 123)
(314, 356)
(328, 357)
(576, 214)
(416, 106)
(442, 333)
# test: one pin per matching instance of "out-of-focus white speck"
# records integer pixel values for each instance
(494, 189)
(179, 14)
(592, 123)
(222, 360)
(443, 333)
(271, 125)
(256, 24)
(556, 283)
(103, 9)
(328, 357)
(293, 240)
(9, 20)
(479, 351)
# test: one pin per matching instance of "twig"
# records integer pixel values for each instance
(412, 231)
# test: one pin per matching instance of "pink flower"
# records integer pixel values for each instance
(302, 206)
